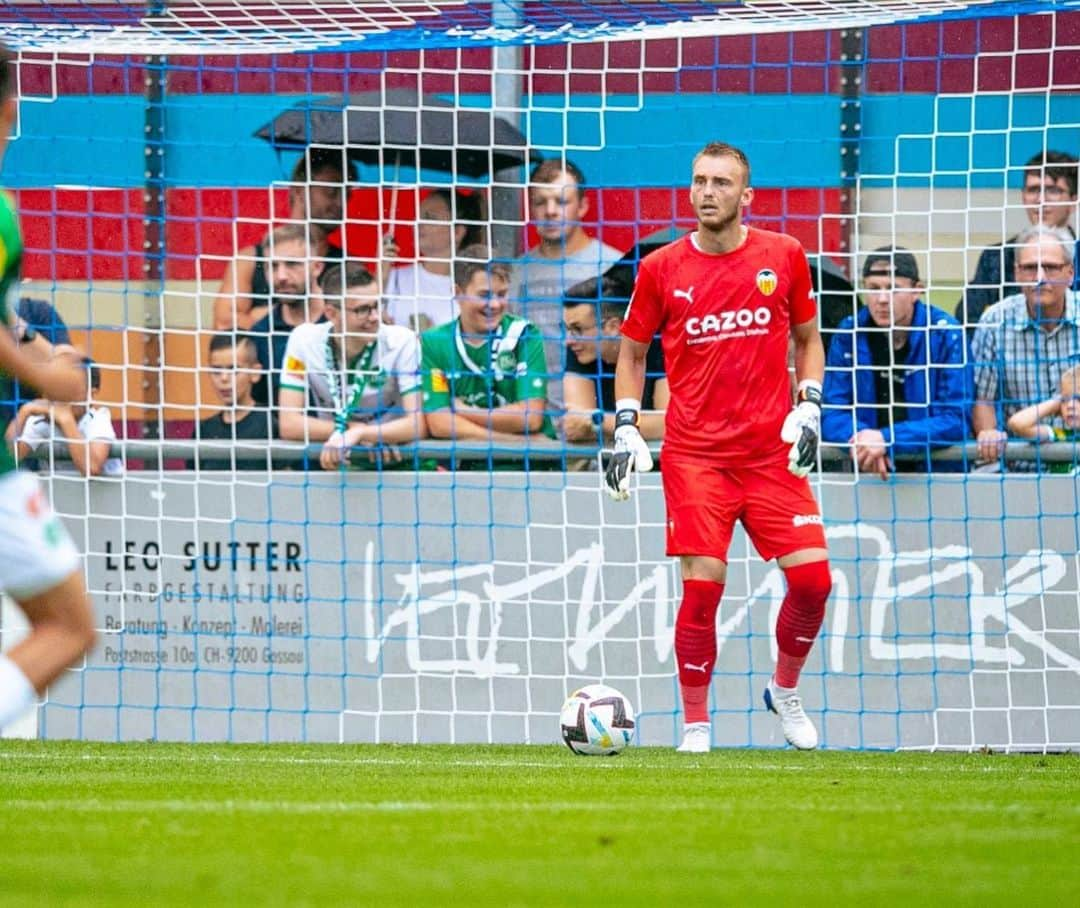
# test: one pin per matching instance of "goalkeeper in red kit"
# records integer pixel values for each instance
(725, 299)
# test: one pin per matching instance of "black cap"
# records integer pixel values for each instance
(891, 262)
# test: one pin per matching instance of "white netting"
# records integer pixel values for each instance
(463, 606)
(233, 26)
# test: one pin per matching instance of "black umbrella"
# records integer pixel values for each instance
(404, 129)
(836, 295)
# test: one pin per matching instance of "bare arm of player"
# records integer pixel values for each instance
(61, 378)
(630, 369)
(809, 352)
(651, 424)
(37, 348)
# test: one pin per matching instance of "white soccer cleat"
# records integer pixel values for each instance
(797, 727)
(697, 739)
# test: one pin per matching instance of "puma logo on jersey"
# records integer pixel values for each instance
(689, 666)
(687, 295)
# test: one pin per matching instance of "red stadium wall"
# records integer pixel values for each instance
(98, 233)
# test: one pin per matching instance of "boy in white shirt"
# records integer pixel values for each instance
(87, 429)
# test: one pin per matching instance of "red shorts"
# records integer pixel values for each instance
(777, 510)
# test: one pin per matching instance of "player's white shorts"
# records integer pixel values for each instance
(38, 551)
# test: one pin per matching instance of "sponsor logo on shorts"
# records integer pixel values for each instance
(801, 520)
(730, 324)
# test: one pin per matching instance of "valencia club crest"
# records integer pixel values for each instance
(767, 281)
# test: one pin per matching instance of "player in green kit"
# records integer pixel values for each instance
(41, 569)
(484, 373)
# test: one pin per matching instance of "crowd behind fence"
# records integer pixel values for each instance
(464, 355)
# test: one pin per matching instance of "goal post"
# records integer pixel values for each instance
(419, 605)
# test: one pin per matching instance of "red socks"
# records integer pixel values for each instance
(801, 615)
(695, 645)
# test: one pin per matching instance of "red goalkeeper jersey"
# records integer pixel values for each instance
(724, 321)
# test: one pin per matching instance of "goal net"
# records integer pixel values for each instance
(245, 593)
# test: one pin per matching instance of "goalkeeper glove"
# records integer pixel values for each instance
(631, 453)
(802, 428)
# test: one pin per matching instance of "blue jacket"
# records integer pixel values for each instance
(937, 419)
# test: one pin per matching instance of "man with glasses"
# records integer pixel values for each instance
(1049, 197)
(593, 313)
(353, 380)
(896, 379)
(1024, 343)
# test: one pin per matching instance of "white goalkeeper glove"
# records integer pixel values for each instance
(631, 453)
(802, 428)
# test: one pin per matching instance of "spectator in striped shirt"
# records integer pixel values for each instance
(1024, 343)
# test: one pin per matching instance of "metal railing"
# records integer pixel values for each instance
(528, 450)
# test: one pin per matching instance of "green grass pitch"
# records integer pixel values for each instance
(166, 824)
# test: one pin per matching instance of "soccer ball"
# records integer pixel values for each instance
(597, 721)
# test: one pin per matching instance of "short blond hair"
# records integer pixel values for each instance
(1070, 379)
(723, 150)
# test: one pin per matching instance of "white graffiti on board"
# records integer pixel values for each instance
(993, 621)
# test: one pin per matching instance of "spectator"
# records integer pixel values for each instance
(566, 255)
(359, 376)
(421, 295)
(318, 193)
(593, 313)
(1049, 197)
(1055, 419)
(483, 372)
(1023, 344)
(44, 319)
(295, 271)
(897, 381)
(234, 372)
(38, 326)
(87, 430)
